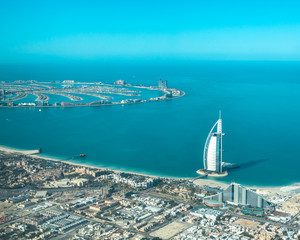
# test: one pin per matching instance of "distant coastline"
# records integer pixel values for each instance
(199, 182)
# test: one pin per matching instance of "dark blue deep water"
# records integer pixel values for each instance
(260, 103)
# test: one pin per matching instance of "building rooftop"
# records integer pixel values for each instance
(41, 194)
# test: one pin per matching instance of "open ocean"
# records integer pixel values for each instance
(260, 103)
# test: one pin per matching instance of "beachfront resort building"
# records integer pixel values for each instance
(239, 195)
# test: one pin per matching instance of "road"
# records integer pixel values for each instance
(293, 218)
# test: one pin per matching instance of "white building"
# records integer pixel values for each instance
(212, 156)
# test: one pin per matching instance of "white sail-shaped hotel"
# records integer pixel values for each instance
(212, 155)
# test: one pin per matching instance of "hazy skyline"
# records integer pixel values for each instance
(215, 30)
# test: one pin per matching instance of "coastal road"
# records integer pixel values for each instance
(293, 218)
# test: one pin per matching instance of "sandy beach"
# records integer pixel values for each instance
(260, 190)
(200, 182)
(33, 154)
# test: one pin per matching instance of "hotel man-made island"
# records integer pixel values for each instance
(69, 93)
(44, 198)
(213, 154)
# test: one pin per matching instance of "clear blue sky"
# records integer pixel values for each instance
(210, 29)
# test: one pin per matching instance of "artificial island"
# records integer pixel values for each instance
(69, 93)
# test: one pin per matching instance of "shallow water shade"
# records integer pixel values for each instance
(259, 103)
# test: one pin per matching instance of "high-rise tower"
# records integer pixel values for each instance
(212, 155)
(162, 85)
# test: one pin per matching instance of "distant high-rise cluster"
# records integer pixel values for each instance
(120, 82)
(162, 85)
(68, 81)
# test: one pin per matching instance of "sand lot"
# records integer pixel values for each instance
(246, 223)
(170, 230)
(292, 205)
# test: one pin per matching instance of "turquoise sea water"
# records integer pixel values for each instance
(260, 103)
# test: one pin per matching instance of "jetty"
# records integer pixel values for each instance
(25, 152)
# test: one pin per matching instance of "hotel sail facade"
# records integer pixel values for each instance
(212, 155)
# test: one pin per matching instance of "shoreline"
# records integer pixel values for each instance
(197, 181)
(37, 156)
